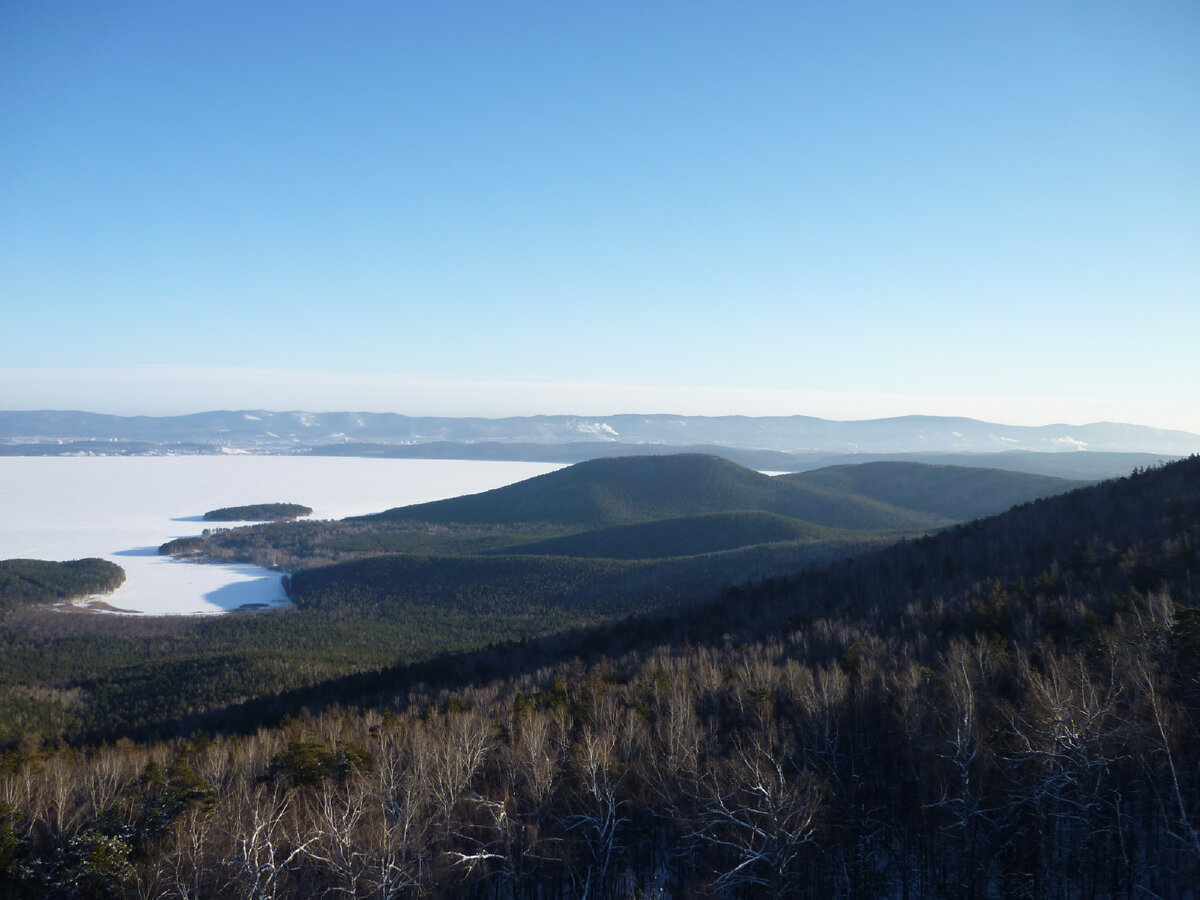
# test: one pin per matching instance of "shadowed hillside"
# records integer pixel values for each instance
(626, 490)
(44, 581)
(685, 536)
(956, 492)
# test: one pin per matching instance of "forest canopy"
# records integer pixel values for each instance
(44, 581)
(257, 512)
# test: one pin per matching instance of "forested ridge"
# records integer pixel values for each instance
(683, 536)
(626, 490)
(955, 492)
(1006, 708)
(1082, 464)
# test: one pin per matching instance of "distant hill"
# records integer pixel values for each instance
(955, 492)
(686, 536)
(634, 489)
(1087, 465)
(1078, 464)
(282, 431)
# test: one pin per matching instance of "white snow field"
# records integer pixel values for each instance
(124, 508)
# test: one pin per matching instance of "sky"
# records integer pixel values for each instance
(849, 210)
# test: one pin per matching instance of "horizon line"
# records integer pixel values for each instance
(597, 416)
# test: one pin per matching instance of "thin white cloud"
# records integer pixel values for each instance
(602, 429)
(1068, 441)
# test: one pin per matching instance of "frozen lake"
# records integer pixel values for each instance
(123, 508)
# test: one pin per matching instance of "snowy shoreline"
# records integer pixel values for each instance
(124, 508)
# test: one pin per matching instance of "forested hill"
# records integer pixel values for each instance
(633, 489)
(684, 536)
(629, 490)
(956, 492)
(1089, 465)
(46, 581)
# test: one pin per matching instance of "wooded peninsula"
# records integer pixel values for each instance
(24, 581)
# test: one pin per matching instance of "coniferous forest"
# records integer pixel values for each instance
(257, 512)
(24, 581)
(1006, 707)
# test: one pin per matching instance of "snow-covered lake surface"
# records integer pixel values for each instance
(124, 508)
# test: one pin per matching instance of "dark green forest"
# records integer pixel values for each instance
(44, 581)
(257, 512)
(1003, 707)
(955, 492)
(626, 490)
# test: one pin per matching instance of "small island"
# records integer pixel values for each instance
(258, 512)
(25, 581)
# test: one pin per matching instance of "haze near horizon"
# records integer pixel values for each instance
(506, 210)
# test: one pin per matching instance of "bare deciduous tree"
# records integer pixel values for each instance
(759, 814)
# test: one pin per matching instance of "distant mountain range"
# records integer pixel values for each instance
(382, 433)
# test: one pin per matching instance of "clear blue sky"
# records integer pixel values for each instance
(842, 209)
